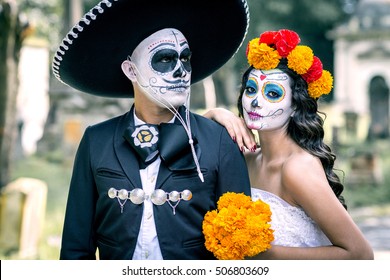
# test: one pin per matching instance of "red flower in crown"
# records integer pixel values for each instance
(268, 38)
(314, 72)
(286, 41)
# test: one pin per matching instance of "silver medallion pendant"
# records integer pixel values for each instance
(186, 195)
(137, 196)
(158, 197)
(174, 196)
(112, 193)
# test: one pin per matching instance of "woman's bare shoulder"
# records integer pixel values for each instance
(302, 169)
(301, 162)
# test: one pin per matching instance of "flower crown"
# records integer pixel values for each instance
(266, 52)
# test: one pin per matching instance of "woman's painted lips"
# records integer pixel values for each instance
(254, 116)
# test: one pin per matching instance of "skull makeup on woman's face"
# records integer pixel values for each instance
(267, 99)
(163, 67)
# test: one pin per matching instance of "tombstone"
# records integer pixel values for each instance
(351, 122)
(335, 138)
(365, 169)
(22, 214)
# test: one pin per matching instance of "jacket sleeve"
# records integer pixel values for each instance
(233, 172)
(78, 241)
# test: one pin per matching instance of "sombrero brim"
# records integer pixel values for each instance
(90, 56)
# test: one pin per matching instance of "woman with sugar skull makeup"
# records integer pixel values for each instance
(292, 168)
(142, 182)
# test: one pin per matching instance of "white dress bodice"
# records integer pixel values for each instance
(292, 226)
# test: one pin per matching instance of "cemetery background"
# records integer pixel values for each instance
(52, 120)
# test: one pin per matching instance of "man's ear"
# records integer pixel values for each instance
(129, 69)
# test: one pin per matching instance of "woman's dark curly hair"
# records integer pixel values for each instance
(305, 126)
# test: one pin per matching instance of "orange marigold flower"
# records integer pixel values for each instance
(262, 56)
(236, 200)
(321, 86)
(300, 59)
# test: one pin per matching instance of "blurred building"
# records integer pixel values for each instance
(362, 71)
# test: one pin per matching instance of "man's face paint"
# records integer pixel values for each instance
(164, 68)
(267, 99)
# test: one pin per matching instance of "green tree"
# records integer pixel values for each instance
(12, 32)
(18, 19)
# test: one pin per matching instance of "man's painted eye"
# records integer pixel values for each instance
(185, 58)
(166, 59)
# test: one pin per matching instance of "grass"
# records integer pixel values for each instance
(56, 173)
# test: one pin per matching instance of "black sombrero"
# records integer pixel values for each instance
(90, 56)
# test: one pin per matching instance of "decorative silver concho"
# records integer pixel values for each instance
(158, 197)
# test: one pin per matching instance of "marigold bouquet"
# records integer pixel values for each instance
(238, 228)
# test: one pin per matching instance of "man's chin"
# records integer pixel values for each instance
(169, 103)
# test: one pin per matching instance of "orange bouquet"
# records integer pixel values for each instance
(238, 228)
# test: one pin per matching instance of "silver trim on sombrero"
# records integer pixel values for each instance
(247, 24)
(92, 16)
(68, 40)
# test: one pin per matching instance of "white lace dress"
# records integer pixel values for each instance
(292, 226)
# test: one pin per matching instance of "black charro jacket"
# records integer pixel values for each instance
(104, 159)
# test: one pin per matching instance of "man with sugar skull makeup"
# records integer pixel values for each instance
(142, 182)
(292, 168)
(160, 66)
